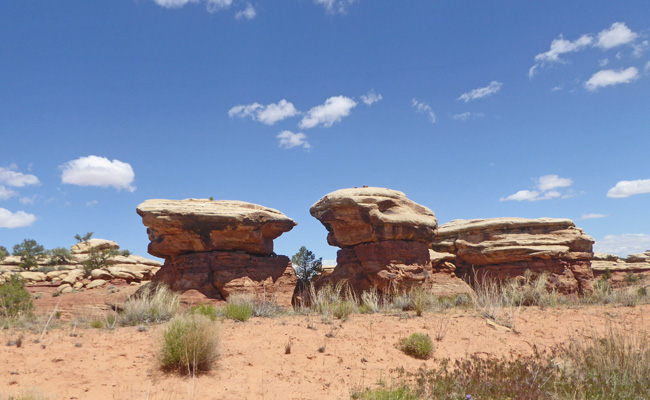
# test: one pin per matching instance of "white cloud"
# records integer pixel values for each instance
(92, 203)
(629, 188)
(646, 69)
(247, 13)
(609, 77)
(640, 48)
(548, 182)
(334, 6)
(467, 115)
(334, 110)
(556, 88)
(603, 62)
(371, 97)
(289, 140)
(545, 186)
(10, 177)
(618, 34)
(15, 220)
(561, 46)
(424, 109)
(624, 244)
(6, 193)
(98, 171)
(488, 90)
(268, 115)
(28, 199)
(594, 216)
(210, 5)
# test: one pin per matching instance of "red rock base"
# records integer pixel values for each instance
(220, 274)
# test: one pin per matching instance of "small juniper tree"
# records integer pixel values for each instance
(30, 253)
(84, 238)
(306, 264)
(60, 256)
(3, 253)
(98, 259)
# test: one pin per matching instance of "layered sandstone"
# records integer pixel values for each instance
(622, 270)
(219, 248)
(384, 239)
(506, 247)
(178, 227)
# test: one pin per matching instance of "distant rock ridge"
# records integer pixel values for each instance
(506, 247)
(219, 248)
(384, 239)
(619, 268)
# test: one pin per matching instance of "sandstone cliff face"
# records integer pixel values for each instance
(385, 242)
(219, 248)
(506, 247)
(178, 227)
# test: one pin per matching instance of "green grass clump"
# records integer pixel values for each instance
(156, 303)
(15, 300)
(418, 345)
(190, 344)
(239, 311)
(207, 310)
(342, 309)
(399, 393)
(97, 323)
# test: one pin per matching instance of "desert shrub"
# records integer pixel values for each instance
(156, 303)
(45, 269)
(631, 278)
(418, 345)
(30, 253)
(190, 344)
(60, 256)
(530, 291)
(370, 301)
(239, 307)
(207, 310)
(266, 307)
(98, 259)
(97, 323)
(125, 253)
(14, 298)
(3, 253)
(342, 309)
(490, 302)
(398, 393)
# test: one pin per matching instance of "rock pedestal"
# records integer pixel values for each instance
(384, 239)
(503, 248)
(219, 248)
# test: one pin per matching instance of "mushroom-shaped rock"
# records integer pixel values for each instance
(366, 215)
(178, 227)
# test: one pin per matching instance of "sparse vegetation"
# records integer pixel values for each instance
(190, 344)
(155, 304)
(207, 310)
(30, 253)
(397, 393)
(418, 345)
(3, 253)
(15, 300)
(60, 256)
(239, 308)
(83, 238)
(98, 259)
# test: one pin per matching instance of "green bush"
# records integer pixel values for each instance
(30, 253)
(14, 298)
(342, 309)
(418, 345)
(98, 259)
(190, 344)
(60, 256)
(3, 253)
(156, 303)
(239, 312)
(207, 310)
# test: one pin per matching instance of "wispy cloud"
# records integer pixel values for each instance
(210, 5)
(98, 171)
(618, 34)
(545, 189)
(424, 109)
(288, 140)
(335, 6)
(247, 13)
(92, 203)
(609, 77)
(18, 219)
(624, 244)
(594, 216)
(6, 193)
(269, 114)
(478, 93)
(559, 46)
(629, 188)
(10, 177)
(334, 110)
(467, 116)
(371, 97)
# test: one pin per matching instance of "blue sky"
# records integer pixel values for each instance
(474, 109)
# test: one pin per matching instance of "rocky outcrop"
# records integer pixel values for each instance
(178, 227)
(623, 271)
(385, 239)
(129, 268)
(505, 248)
(219, 248)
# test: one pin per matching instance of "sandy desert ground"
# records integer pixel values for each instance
(75, 362)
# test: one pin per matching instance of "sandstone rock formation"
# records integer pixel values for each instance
(385, 242)
(219, 248)
(178, 227)
(621, 269)
(98, 244)
(507, 247)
